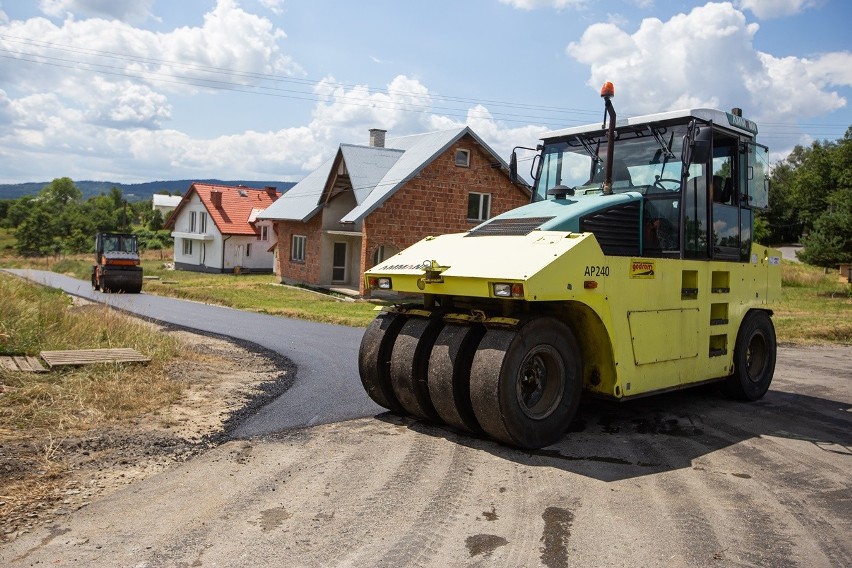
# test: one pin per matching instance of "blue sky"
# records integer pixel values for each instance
(140, 90)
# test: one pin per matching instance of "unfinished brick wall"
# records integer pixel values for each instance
(432, 203)
(435, 202)
(292, 271)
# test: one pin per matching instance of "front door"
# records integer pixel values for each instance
(338, 267)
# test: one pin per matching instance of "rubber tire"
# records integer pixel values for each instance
(494, 385)
(95, 283)
(449, 375)
(755, 346)
(410, 366)
(374, 357)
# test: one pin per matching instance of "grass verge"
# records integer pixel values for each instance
(815, 308)
(255, 292)
(46, 407)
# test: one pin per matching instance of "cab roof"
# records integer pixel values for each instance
(727, 119)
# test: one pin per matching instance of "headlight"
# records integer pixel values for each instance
(382, 283)
(506, 290)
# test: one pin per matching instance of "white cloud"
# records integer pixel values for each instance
(124, 10)
(766, 9)
(535, 4)
(274, 6)
(232, 46)
(706, 58)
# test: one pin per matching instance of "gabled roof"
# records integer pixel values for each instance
(239, 205)
(375, 174)
(303, 199)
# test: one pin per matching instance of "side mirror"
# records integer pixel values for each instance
(697, 145)
(702, 146)
(513, 168)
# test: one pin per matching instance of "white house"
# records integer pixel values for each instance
(215, 229)
(165, 203)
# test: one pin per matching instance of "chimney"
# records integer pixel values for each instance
(377, 137)
(272, 191)
(216, 198)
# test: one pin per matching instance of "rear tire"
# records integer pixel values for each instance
(374, 357)
(525, 385)
(409, 366)
(754, 358)
(449, 375)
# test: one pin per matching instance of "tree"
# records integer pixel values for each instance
(830, 243)
(35, 236)
(156, 221)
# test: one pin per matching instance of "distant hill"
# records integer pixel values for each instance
(133, 191)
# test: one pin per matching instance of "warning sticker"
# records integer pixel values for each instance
(643, 268)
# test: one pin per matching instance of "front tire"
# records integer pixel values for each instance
(754, 358)
(525, 384)
(374, 357)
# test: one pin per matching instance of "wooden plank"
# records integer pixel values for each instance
(22, 363)
(92, 356)
(8, 363)
(35, 365)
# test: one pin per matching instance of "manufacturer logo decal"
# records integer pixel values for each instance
(643, 268)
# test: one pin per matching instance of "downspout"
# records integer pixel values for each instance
(223, 253)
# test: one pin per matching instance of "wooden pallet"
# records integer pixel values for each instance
(78, 357)
(21, 363)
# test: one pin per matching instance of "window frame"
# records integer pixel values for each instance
(298, 251)
(192, 221)
(482, 216)
(187, 247)
(462, 152)
(202, 224)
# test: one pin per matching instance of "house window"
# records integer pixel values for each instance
(187, 247)
(248, 250)
(478, 206)
(264, 233)
(297, 248)
(203, 228)
(463, 158)
(379, 255)
(192, 221)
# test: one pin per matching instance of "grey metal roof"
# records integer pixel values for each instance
(420, 150)
(375, 173)
(367, 165)
(301, 201)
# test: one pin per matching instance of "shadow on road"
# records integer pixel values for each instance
(612, 441)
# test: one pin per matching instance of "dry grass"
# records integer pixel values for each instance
(815, 308)
(51, 405)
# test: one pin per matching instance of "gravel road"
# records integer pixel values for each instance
(683, 479)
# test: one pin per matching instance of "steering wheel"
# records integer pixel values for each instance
(660, 181)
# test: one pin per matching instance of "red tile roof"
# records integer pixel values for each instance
(233, 215)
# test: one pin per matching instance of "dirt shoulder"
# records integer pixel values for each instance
(42, 481)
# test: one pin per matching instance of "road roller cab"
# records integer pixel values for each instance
(632, 272)
(117, 267)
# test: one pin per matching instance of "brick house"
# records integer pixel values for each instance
(367, 203)
(215, 228)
